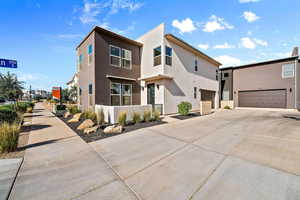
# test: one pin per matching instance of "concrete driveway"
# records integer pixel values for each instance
(239, 154)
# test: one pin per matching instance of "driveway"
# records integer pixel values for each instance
(238, 154)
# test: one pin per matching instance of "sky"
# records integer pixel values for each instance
(42, 34)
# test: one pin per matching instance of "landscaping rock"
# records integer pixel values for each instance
(67, 114)
(75, 118)
(91, 130)
(114, 129)
(86, 124)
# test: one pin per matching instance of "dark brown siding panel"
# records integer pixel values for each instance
(263, 98)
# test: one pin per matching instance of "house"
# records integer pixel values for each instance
(73, 82)
(157, 69)
(268, 84)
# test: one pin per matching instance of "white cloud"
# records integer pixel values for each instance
(203, 46)
(131, 27)
(90, 12)
(116, 5)
(250, 16)
(261, 42)
(226, 60)
(248, 1)
(185, 26)
(216, 23)
(248, 43)
(224, 46)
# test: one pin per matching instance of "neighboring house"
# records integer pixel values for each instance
(158, 69)
(73, 82)
(269, 84)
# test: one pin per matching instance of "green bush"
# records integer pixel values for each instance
(156, 115)
(60, 107)
(136, 117)
(73, 110)
(89, 114)
(227, 107)
(9, 134)
(147, 115)
(100, 117)
(122, 118)
(7, 115)
(184, 108)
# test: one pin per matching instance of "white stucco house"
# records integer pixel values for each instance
(173, 71)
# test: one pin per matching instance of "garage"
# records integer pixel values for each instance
(263, 98)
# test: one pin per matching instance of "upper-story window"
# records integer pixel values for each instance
(126, 58)
(196, 65)
(115, 56)
(80, 59)
(120, 57)
(90, 88)
(90, 52)
(288, 70)
(168, 56)
(157, 56)
(217, 74)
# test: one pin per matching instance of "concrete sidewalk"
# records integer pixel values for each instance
(59, 165)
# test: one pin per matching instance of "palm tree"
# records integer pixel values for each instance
(10, 87)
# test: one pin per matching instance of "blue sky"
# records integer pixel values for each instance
(42, 34)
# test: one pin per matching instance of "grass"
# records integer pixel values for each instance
(9, 135)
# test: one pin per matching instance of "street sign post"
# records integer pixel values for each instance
(8, 63)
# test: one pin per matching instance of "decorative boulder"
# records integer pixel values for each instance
(114, 129)
(67, 114)
(75, 118)
(91, 130)
(86, 124)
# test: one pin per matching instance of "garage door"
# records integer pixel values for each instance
(263, 98)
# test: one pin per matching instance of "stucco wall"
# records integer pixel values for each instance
(263, 77)
(181, 88)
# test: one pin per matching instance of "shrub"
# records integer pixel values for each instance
(7, 115)
(100, 117)
(156, 115)
(122, 118)
(184, 107)
(89, 114)
(227, 107)
(73, 110)
(136, 118)
(9, 134)
(147, 115)
(60, 107)
(21, 106)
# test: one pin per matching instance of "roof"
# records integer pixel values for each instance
(111, 34)
(120, 77)
(262, 63)
(156, 77)
(190, 48)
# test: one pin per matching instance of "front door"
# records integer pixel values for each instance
(151, 94)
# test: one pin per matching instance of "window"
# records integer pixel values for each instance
(157, 56)
(90, 52)
(90, 89)
(115, 94)
(80, 91)
(80, 59)
(196, 65)
(120, 94)
(226, 75)
(126, 58)
(217, 75)
(288, 70)
(126, 94)
(115, 56)
(195, 92)
(168, 56)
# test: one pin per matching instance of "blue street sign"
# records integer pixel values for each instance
(8, 63)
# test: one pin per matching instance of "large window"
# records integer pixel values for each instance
(157, 56)
(126, 94)
(90, 88)
(196, 65)
(115, 56)
(121, 94)
(126, 58)
(120, 57)
(288, 71)
(168, 56)
(90, 52)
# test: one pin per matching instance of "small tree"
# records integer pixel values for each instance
(184, 107)
(73, 93)
(10, 87)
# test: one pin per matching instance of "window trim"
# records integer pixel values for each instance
(282, 72)
(120, 57)
(121, 93)
(126, 95)
(126, 59)
(157, 56)
(167, 55)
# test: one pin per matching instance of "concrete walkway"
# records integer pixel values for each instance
(59, 165)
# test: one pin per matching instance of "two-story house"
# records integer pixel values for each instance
(157, 68)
